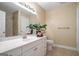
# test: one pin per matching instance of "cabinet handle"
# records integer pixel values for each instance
(10, 55)
(35, 49)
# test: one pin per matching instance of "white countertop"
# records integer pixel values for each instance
(17, 42)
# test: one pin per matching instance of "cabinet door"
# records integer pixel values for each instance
(42, 47)
(14, 52)
(39, 50)
(29, 52)
(35, 51)
(45, 45)
(2, 24)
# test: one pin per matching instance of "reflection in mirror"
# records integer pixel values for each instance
(13, 22)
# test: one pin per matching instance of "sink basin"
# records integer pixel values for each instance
(29, 38)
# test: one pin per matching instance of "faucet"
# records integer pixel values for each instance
(24, 36)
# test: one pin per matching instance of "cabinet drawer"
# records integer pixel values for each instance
(45, 42)
(40, 50)
(14, 52)
(29, 52)
(31, 45)
(35, 51)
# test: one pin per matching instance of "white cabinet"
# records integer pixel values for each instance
(14, 52)
(38, 48)
(35, 48)
(45, 45)
(30, 52)
(2, 23)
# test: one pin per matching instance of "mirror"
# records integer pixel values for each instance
(13, 22)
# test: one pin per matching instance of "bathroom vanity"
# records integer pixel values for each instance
(19, 46)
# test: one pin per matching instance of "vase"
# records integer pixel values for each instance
(31, 32)
(39, 33)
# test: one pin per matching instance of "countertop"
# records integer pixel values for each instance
(16, 42)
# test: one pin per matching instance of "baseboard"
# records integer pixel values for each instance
(66, 47)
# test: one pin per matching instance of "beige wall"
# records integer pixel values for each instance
(40, 17)
(61, 23)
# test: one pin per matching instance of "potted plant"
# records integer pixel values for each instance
(39, 28)
(31, 28)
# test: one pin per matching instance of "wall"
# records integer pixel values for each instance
(61, 23)
(40, 18)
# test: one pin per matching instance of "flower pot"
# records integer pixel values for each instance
(39, 33)
(31, 32)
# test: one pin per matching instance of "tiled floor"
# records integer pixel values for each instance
(62, 52)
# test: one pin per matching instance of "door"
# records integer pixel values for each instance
(2, 24)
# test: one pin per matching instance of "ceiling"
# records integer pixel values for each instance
(10, 7)
(51, 5)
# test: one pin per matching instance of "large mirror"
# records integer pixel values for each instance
(13, 21)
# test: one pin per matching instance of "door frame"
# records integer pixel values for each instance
(77, 27)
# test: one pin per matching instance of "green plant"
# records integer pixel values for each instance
(30, 26)
(39, 27)
(44, 26)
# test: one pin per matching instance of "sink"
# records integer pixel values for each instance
(29, 38)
